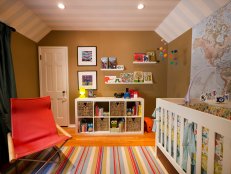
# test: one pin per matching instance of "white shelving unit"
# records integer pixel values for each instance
(116, 110)
(151, 62)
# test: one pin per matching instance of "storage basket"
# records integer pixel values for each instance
(133, 124)
(85, 108)
(101, 124)
(117, 109)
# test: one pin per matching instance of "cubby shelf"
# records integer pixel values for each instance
(125, 116)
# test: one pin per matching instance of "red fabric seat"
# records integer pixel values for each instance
(33, 127)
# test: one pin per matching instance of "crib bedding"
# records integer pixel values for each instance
(216, 110)
(219, 111)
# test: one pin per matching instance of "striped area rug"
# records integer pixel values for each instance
(98, 160)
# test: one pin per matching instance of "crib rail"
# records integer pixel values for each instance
(172, 119)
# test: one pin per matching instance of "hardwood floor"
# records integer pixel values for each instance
(147, 139)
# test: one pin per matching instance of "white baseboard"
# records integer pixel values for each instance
(71, 125)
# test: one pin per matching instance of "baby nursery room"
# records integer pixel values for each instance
(125, 86)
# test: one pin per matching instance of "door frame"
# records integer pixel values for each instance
(67, 81)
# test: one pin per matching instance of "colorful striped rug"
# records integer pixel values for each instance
(98, 160)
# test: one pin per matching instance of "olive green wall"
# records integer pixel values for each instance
(25, 61)
(120, 44)
(178, 76)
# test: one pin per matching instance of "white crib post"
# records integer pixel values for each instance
(211, 150)
(157, 121)
(199, 147)
(226, 156)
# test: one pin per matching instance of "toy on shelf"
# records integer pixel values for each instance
(127, 94)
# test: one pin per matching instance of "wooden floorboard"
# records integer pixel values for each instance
(147, 139)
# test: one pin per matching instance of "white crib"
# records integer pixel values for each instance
(170, 115)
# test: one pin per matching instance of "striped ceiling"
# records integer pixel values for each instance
(169, 18)
(24, 20)
(185, 15)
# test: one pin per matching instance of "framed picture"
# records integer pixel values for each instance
(86, 56)
(87, 79)
(90, 93)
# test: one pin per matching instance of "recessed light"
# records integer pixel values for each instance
(61, 5)
(140, 6)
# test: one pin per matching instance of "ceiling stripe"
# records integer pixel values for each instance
(15, 14)
(187, 10)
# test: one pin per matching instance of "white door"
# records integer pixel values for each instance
(53, 76)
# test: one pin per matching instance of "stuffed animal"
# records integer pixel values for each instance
(148, 123)
(114, 123)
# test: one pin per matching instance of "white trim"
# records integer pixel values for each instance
(71, 125)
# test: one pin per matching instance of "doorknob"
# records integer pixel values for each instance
(63, 92)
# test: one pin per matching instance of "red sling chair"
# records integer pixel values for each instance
(33, 129)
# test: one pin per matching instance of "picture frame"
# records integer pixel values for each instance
(87, 79)
(90, 92)
(86, 55)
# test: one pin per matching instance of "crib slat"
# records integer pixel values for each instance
(161, 123)
(226, 156)
(211, 150)
(165, 128)
(181, 138)
(175, 135)
(199, 147)
(189, 162)
(169, 132)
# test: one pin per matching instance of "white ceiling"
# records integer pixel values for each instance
(169, 18)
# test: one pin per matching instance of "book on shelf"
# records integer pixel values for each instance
(139, 110)
(138, 76)
(126, 77)
(104, 62)
(139, 57)
(147, 77)
(112, 63)
(109, 79)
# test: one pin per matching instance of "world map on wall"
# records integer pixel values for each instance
(211, 54)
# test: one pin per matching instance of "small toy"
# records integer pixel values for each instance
(90, 127)
(113, 123)
(148, 123)
(127, 94)
(129, 112)
(220, 99)
(118, 95)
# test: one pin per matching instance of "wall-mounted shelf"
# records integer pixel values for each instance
(129, 83)
(111, 69)
(153, 62)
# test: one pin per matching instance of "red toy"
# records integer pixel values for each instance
(148, 123)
